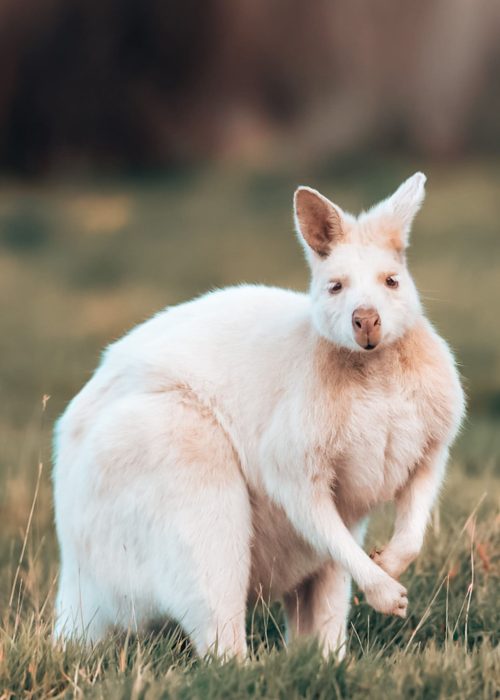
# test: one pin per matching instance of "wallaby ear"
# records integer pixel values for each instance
(404, 204)
(317, 220)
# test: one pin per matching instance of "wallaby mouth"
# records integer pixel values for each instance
(367, 343)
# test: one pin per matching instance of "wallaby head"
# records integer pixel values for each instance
(362, 293)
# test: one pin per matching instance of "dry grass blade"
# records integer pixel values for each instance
(26, 534)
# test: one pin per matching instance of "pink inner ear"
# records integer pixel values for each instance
(319, 221)
(394, 240)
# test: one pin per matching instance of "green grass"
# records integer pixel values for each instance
(82, 262)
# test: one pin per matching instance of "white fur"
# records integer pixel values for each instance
(236, 444)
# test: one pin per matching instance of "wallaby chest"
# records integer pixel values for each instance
(383, 436)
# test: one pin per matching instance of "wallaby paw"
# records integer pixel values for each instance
(388, 596)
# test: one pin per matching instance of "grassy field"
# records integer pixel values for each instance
(81, 262)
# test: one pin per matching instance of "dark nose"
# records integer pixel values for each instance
(367, 325)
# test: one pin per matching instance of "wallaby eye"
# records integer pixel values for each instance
(392, 282)
(334, 287)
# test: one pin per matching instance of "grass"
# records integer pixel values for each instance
(81, 262)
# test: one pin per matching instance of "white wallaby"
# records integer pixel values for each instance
(233, 446)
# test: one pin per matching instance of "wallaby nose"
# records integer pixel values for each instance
(367, 327)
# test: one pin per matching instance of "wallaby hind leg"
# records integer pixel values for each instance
(162, 523)
(79, 614)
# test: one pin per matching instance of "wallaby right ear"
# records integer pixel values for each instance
(318, 221)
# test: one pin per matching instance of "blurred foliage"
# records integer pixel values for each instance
(127, 85)
(82, 261)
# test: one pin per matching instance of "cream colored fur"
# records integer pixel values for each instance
(234, 446)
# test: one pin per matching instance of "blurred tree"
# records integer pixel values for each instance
(132, 84)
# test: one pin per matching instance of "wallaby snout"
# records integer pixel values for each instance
(367, 325)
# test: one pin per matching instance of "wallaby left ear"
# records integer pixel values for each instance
(404, 204)
(317, 220)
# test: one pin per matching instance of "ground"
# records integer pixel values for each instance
(81, 261)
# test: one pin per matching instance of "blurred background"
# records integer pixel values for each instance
(149, 151)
